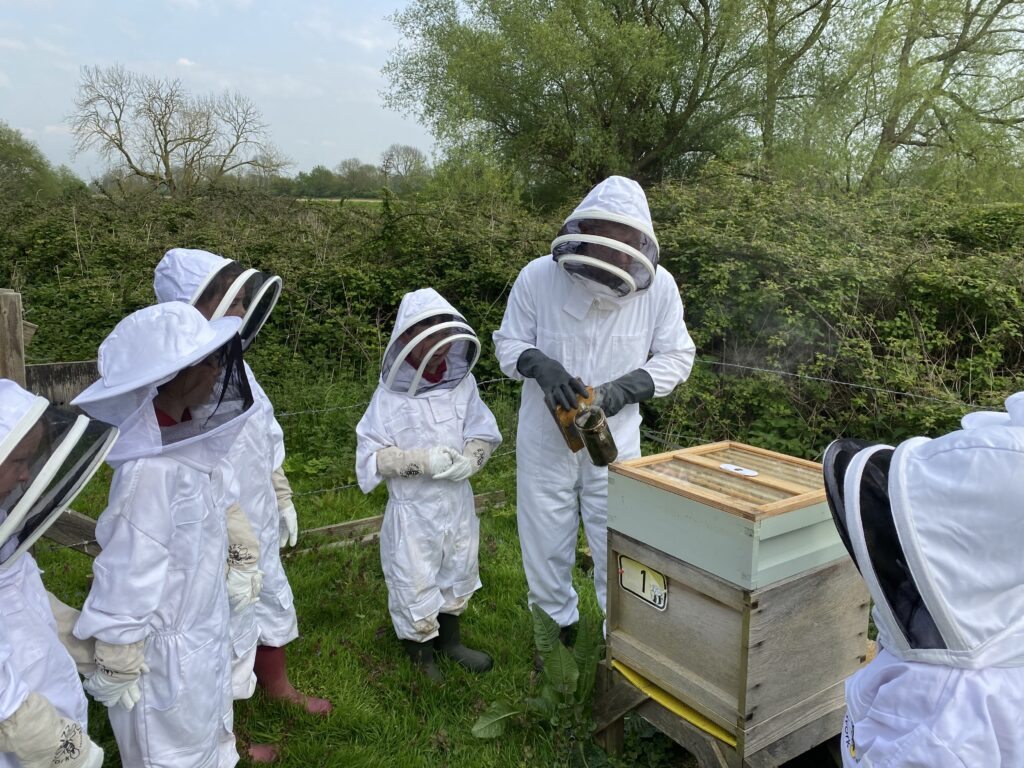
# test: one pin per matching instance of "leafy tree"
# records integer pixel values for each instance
(790, 30)
(25, 172)
(157, 131)
(404, 168)
(570, 91)
(359, 179)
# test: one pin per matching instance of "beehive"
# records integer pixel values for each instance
(730, 588)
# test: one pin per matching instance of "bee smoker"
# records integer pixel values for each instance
(592, 425)
(587, 427)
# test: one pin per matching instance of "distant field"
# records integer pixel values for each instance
(351, 200)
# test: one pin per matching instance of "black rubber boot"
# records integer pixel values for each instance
(448, 644)
(566, 636)
(422, 656)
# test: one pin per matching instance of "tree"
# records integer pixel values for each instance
(570, 91)
(404, 168)
(25, 172)
(791, 29)
(359, 179)
(930, 83)
(157, 131)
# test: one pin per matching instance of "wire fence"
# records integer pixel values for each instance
(672, 440)
(669, 440)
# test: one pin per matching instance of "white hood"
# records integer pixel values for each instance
(147, 349)
(442, 325)
(936, 528)
(183, 273)
(608, 242)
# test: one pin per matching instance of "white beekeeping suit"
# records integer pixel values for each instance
(424, 433)
(217, 286)
(46, 457)
(936, 530)
(600, 312)
(158, 606)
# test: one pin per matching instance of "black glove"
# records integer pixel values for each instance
(635, 387)
(558, 386)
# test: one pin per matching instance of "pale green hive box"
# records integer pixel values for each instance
(745, 514)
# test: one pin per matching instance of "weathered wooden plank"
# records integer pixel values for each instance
(615, 697)
(367, 529)
(806, 632)
(716, 704)
(78, 532)
(709, 751)
(799, 742)
(61, 382)
(12, 337)
(75, 531)
(707, 583)
(28, 330)
(808, 710)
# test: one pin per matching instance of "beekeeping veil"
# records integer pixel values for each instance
(218, 287)
(148, 349)
(608, 242)
(47, 455)
(937, 530)
(432, 346)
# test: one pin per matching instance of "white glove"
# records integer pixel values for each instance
(461, 469)
(470, 462)
(118, 669)
(245, 582)
(289, 525)
(39, 737)
(394, 462)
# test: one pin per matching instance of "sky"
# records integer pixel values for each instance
(313, 68)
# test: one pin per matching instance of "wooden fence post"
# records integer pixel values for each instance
(12, 337)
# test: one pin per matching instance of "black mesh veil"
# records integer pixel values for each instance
(43, 471)
(888, 562)
(609, 252)
(252, 296)
(431, 352)
(217, 391)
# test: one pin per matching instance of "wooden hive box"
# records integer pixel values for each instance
(730, 588)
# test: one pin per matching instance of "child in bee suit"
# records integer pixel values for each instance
(46, 457)
(936, 529)
(158, 607)
(263, 626)
(425, 433)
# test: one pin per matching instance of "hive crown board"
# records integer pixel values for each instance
(745, 514)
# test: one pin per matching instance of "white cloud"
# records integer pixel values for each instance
(5, 80)
(9, 44)
(322, 23)
(49, 47)
(57, 130)
(184, 62)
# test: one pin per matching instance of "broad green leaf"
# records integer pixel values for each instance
(491, 723)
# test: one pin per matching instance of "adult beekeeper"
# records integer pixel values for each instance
(936, 530)
(175, 386)
(220, 287)
(46, 457)
(425, 433)
(598, 311)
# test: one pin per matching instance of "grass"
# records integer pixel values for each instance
(386, 714)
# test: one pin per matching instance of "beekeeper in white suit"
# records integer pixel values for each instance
(425, 433)
(261, 628)
(936, 530)
(158, 606)
(46, 457)
(599, 311)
